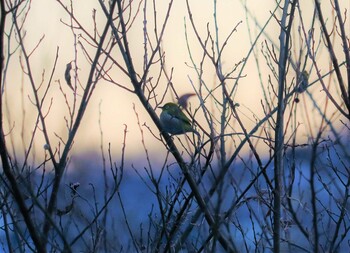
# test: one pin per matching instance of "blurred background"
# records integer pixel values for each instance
(104, 108)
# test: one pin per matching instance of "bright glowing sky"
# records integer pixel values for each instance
(115, 104)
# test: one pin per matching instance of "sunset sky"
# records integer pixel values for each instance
(114, 106)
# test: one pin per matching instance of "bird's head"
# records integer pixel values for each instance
(170, 108)
(305, 74)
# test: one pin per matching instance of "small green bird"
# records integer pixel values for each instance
(174, 121)
(303, 82)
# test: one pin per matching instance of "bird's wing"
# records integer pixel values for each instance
(180, 115)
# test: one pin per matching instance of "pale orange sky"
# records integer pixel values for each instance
(42, 22)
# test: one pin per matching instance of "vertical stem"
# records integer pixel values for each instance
(314, 193)
(222, 80)
(279, 131)
(345, 43)
(59, 170)
(6, 166)
(333, 57)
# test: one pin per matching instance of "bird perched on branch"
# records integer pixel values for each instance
(302, 84)
(174, 121)
(303, 81)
